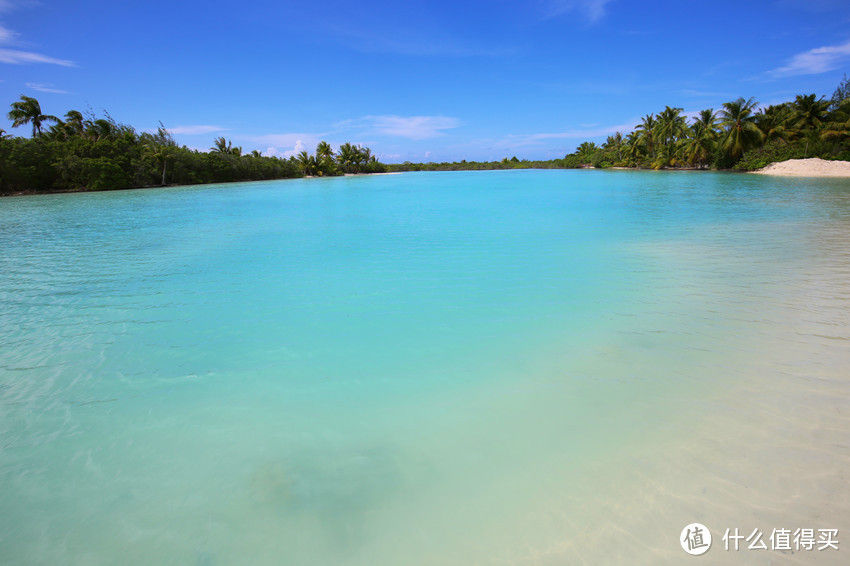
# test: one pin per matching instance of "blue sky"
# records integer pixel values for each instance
(413, 80)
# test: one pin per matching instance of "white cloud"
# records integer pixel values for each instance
(7, 36)
(593, 10)
(46, 88)
(411, 127)
(10, 37)
(16, 57)
(297, 148)
(298, 141)
(519, 140)
(195, 130)
(815, 61)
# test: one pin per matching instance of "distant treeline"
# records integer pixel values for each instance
(87, 153)
(512, 163)
(740, 136)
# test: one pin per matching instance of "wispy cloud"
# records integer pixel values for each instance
(195, 130)
(593, 10)
(416, 44)
(9, 5)
(815, 61)
(410, 127)
(399, 36)
(9, 37)
(46, 88)
(519, 140)
(703, 93)
(16, 57)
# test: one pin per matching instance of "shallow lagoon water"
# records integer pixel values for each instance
(520, 367)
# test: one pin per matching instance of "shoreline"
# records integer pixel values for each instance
(36, 192)
(811, 167)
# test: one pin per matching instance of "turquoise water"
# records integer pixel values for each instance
(427, 368)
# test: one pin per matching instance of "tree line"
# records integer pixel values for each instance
(741, 135)
(88, 153)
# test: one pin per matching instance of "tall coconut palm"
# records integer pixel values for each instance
(837, 127)
(225, 147)
(324, 151)
(671, 125)
(615, 145)
(738, 121)
(586, 151)
(325, 158)
(75, 125)
(28, 111)
(346, 157)
(101, 129)
(699, 145)
(308, 163)
(633, 149)
(365, 155)
(774, 121)
(162, 147)
(807, 112)
(646, 133)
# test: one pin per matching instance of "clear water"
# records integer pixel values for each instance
(443, 368)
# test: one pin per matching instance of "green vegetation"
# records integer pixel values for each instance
(87, 153)
(738, 136)
(81, 153)
(512, 163)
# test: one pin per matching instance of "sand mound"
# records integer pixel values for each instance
(812, 167)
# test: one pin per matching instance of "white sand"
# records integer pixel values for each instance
(812, 167)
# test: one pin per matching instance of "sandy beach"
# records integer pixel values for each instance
(812, 167)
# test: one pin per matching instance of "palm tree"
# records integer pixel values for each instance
(347, 157)
(701, 139)
(75, 125)
(225, 147)
(325, 158)
(585, 151)
(101, 129)
(324, 151)
(308, 163)
(28, 111)
(647, 133)
(634, 149)
(773, 122)
(807, 113)
(837, 127)
(807, 116)
(738, 120)
(671, 125)
(615, 144)
(161, 146)
(256, 153)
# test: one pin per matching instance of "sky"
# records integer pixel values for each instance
(413, 80)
